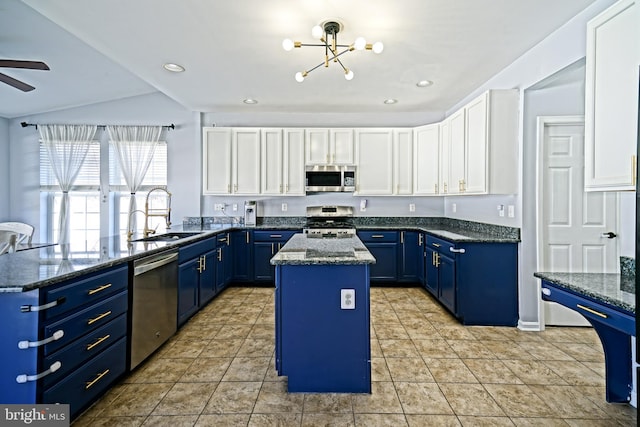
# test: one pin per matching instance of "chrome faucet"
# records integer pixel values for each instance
(129, 230)
(165, 213)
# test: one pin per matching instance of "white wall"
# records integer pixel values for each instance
(4, 169)
(184, 174)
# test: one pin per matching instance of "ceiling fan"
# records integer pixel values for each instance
(29, 65)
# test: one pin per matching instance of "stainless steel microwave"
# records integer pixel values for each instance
(327, 178)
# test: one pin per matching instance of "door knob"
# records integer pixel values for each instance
(609, 235)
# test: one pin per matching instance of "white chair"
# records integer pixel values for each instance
(12, 234)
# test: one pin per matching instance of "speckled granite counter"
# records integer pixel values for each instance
(612, 289)
(303, 250)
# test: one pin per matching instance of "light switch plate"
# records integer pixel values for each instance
(412, 207)
(348, 299)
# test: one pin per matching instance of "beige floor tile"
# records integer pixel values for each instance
(247, 369)
(582, 352)
(432, 420)
(450, 371)
(454, 332)
(390, 331)
(385, 316)
(488, 333)
(185, 399)
(584, 422)
(256, 347)
(507, 350)
(328, 403)
(470, 399)
(398, 348)
(137, 399)
(199, 331)
(382, 400)
(170, 421)
(518, 400)
(539, 422)
(274, 398)
(125, 421)
(185, 349)
(597, 367)
(420, 330)
(576, 373)
(491, 371)
(422, 398)
(233, 398)
(380, 420)
(585, 335)
(542, 350)
(408, 369)
(210, 369)
(468, 421)
(222, 348)
(282, 419)
(328, 420)
(379, 369)
(434, 348)
(559, 334)
(272, 374)
(568, 401)
(263, 331)
(160, 370)
(469, 349)
(534, 372)
(223, 420)
(230, 332)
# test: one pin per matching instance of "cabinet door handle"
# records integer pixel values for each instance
(457, 251)
(219, 254)
(272, 251)
(437, 245)
(228, 239)
(377, 236)
(28, 308)
(98, 342)
(420, 241)
(445, 187)
(435, 188)
(634, 170)
(402, 237)
(592, 311)
(100, 316)
(99, 289)
(98, 378)
(23, 378)
(275, 236)
(437, 259)
(23, 345)
(246, 233)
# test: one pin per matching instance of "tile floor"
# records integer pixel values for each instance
(427, 370)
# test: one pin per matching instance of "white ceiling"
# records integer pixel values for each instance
(101, 50)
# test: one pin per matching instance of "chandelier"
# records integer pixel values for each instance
(327, 32)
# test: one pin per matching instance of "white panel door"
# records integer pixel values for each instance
(216, 155)
(374, 149)
(445, 146)
(271, 162)
(574, 223)
(294, 178)
(403, 161)
(341, 146)
(317, 146)
(476, 146)
(426, 159)
(457, 140)
(246, 161)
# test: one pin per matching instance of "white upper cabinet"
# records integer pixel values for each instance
(403, 162)
(374, 159)
(426, 160)
(282, 162)
(611, 102)
(293, 173)
(444, 127)
(231, 161)
(329, 146)
(456, 142)
(272, 161)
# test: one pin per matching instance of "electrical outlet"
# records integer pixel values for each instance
(284, 207)
(412, 207)
(511, 211)
(218, 207)
(363, 205)
(500, 210)
(235, 206)
(454, 207)
(347, 299)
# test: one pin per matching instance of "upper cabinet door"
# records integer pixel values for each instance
(294, 178)
(444, 128)
(317, 146)
(375, 162)
(246, 161)
(341, 146)
(476, 147)
(216, 156)
(271, 162)
(403, 161)
(611, 98)
(457, 136)
(426, 159)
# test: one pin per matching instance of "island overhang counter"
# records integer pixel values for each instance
(322, 315)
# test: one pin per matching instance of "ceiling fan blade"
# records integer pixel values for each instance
(30, 65)
(16, 83)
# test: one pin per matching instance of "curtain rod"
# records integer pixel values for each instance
(25, 124)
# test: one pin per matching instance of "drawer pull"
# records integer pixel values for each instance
(98, 342)
(247, 236)
(377, 236)
(28, 308)
(23, 345)
(457, 251)
(23, 378)
(275, 236)
(222, 240)
(592, 311)
(101, 316)
(101, 288)
(98, 378)
(437, 245)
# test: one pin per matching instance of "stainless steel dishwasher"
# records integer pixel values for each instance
(154, 307)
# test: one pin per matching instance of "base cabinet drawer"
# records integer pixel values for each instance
(89, 382)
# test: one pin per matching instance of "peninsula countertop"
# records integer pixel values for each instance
(613, 289)
(303, 250)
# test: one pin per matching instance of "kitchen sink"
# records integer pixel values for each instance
(168, 237)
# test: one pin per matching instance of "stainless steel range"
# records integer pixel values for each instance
(329, 221)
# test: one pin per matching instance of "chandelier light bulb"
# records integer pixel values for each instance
(287, 44)
(317, 32)
(377, 47)
(360, 43)
(348, 74)
(299, 77)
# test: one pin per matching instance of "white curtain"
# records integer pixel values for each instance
(67, 147)
(134, 146)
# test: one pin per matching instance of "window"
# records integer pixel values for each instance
(92, 217)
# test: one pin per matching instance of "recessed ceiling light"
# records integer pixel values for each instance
(424, 83)
(250, 101)
(174, 68)
(390, 101)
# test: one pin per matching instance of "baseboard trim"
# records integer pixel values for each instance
(529, 326)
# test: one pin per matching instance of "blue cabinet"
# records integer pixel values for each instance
(476, 281)
(224, 265)
(196, 277)
(383, 245)
(67, 342)
(242, 257)
(410, 257)
(266, 244)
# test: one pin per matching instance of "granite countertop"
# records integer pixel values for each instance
(303, 250)
(613, 289)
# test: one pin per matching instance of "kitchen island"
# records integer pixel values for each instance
(607, 301)
(322, 314)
